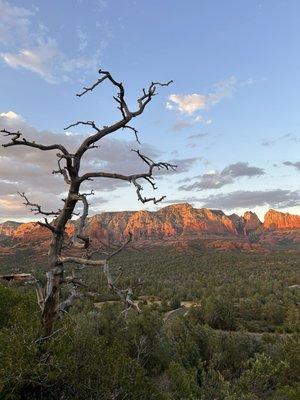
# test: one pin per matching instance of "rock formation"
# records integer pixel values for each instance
(276, 220)
(169, 223)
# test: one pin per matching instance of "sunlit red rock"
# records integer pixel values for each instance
(279, 220)
(8, 227)
(31, 231)
(177, 221)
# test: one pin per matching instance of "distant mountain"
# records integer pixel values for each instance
(278, 220)
(8, 227)
(177, 221)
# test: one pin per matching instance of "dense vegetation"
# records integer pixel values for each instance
(239, 344)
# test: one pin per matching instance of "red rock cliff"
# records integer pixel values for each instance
(279, 220)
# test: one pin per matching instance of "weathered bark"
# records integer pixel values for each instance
(49, 298)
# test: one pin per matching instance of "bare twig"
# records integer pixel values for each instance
(148, 176)
(36, 208)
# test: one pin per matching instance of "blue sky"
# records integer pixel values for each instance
(230, 120)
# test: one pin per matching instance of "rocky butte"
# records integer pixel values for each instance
(169, 224)
(278, 220)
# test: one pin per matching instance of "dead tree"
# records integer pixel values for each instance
(49, 297)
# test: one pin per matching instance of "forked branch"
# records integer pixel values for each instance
(15, 140)
(127, 114)
(148, 176)
(36, 208)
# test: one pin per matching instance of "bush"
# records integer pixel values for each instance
(219, 313)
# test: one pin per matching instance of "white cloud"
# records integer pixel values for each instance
(169, 106)
(38, 59)
(190, 103)
(36, 51)
(276, 198)
(11, 116)
(180, 125)
(14, 23)
(199, 119)
(217, 179)
(81, 63)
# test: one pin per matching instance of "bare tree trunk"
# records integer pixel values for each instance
(49, 298)
(56, 267)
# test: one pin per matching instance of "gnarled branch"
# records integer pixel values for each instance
(148, 176)
(15, 136)
(36, 208)
(127, 115)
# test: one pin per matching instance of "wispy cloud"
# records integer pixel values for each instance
(193, 139)
(23, 47)
(14, 23)
(190, 103)
(183, 165)
(180, 125)
(277, 198)
(289, 137)
(293, 164)
(216, 180)
(183, 124)
(38, 59)
(197, 136)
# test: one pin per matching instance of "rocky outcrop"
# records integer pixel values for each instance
(169, 223)
(7, 228)
(251, 221)
(276, 220)
(31, 231)
(246, 224)
(239, 224)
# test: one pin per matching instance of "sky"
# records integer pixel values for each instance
(230, 120)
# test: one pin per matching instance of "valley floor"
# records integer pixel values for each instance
(214, 325)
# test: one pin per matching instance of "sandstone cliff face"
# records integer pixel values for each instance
(184, 219)
(279, 221)
(251, 220)
(31, 231)
(246, 224)
(28, 232)
(171, 222)
(239, 224)
(108, 226)
(7, 228)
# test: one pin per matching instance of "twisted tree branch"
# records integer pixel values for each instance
(24, 142)
(148, 176)
(36, 208)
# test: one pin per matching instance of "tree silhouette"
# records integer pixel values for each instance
(61, 246)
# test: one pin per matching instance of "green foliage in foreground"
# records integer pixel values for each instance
(206, 355)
